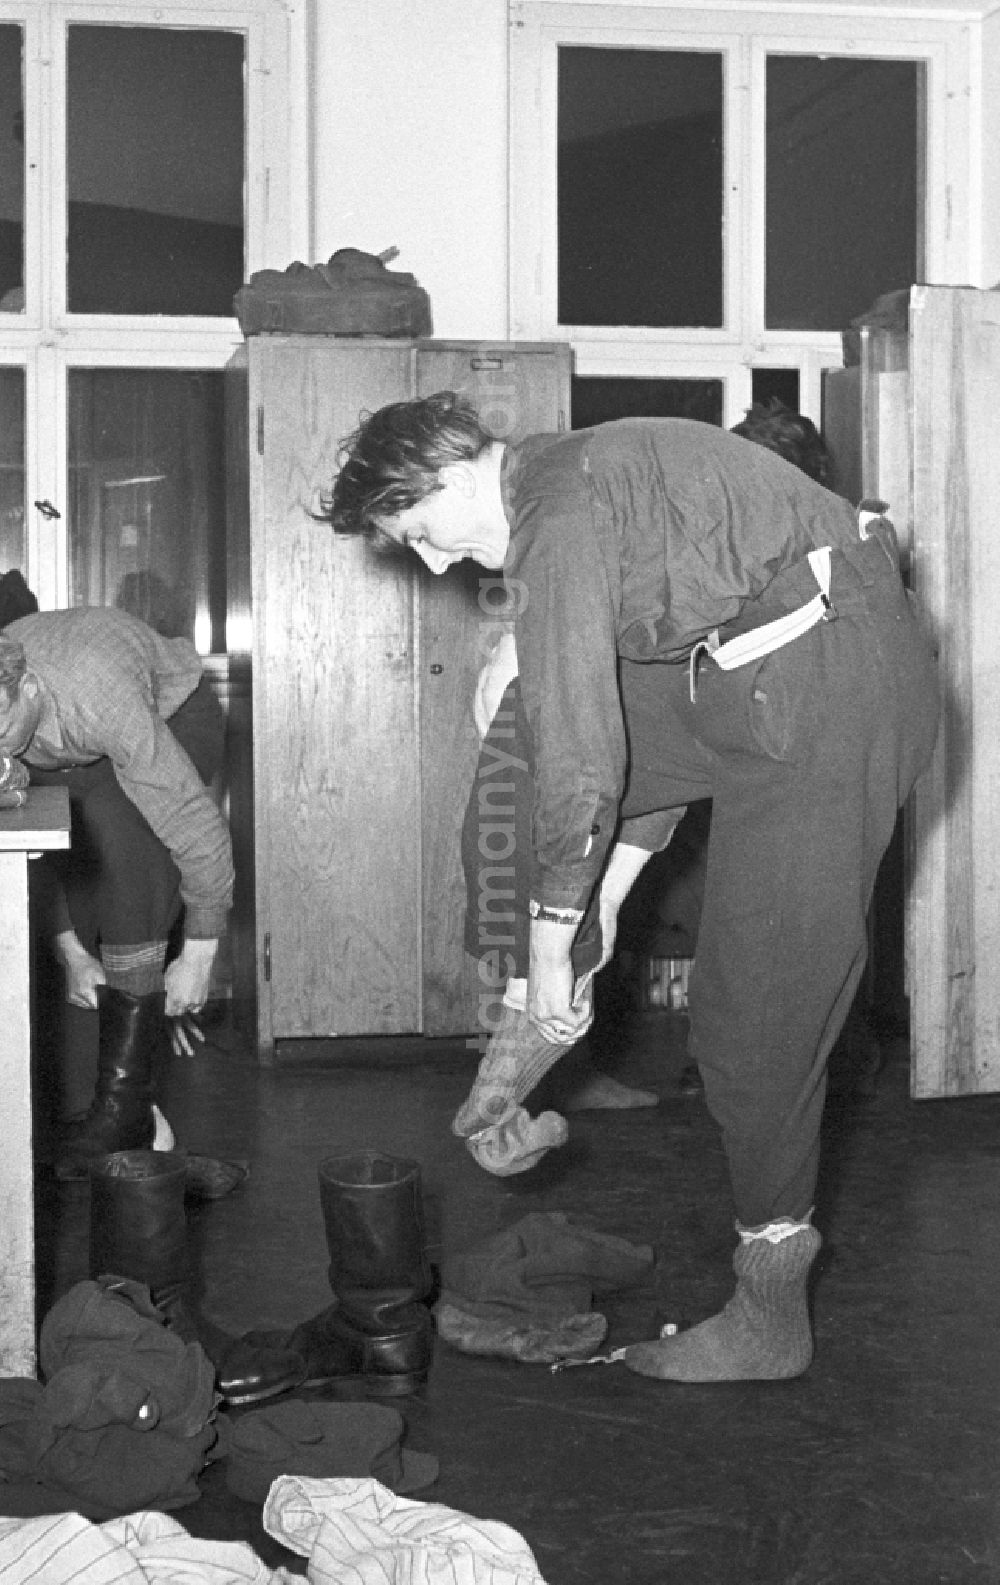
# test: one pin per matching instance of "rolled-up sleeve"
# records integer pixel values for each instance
(567, 660)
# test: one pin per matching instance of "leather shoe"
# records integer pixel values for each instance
(249, 1374)
(332, 1348)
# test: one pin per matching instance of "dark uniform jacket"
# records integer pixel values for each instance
(634, 539)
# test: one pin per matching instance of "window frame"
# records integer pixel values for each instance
(46, 339)
(539, 27)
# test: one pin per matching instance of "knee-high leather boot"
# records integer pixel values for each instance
(378, 1331)
(120, 1116)
(138, 1227)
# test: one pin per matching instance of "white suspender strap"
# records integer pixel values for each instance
(760, 641)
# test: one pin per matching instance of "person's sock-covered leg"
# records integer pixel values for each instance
(810, 752)
(763, 1333)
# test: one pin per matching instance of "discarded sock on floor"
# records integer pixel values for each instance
(126, 1416)
(326, 1441)
(527, 1292)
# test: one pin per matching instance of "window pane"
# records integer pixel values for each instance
(843, 174)
(155, 170)
(12, 545)
(147, 521)
(595, 401)
(11, 172)
(782, 383)
(640, 187)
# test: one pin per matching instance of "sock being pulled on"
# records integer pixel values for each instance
(517, 1143)
(516, 1060)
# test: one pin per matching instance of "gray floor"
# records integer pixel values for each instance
(881, 1464)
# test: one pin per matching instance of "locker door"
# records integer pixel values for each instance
(335, 756)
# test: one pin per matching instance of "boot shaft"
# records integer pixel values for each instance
(138, 1225)
(130, 1031)
(373, 1212)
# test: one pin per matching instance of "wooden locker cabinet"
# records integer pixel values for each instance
(352, 739)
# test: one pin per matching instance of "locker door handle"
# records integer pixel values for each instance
(436, 669)
(485, 363)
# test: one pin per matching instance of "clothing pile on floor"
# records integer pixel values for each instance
(527, 1293)
(125, 1419)
(354, 1530)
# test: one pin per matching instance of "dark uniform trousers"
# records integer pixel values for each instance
(807, 756)
(121, 884)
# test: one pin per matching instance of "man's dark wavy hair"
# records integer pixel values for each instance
(790, 434)
(392, 460)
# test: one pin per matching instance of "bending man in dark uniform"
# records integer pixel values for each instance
(94, 700)
(498, 1131)
(778, 670)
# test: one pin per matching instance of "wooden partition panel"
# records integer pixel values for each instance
(955, 891)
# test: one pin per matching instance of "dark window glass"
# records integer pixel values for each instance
(640, 187)
(11, 172)
(12, 545)
(595, 401)
(155, 170)
(843, 187)
(147, 521)
(782, 383)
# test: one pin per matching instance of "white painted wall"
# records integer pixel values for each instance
(410, 147)
(990, 135)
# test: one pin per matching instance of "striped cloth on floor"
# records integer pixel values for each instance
(147, 1548)
(358, 1530)
(348, 1530)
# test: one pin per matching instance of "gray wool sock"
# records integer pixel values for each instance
(518, 1143)
(763, 1334)
(517, 1059)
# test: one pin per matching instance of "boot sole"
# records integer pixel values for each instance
(375, 1386)
(238, 1400)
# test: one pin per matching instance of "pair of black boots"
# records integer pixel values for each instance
(378, 1330)
(377, 1334)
